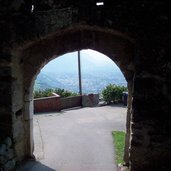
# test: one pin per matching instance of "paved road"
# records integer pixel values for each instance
(79, 139)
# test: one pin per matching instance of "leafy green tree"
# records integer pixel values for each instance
(113, 93)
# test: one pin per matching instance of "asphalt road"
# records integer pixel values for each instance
(78, 139)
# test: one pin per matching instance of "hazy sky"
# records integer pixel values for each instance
(97, 57)
(94, 66)
(89, 59)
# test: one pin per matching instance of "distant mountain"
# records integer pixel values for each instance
(97, 72)
(47, 80)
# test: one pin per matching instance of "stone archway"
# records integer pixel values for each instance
(117, 46)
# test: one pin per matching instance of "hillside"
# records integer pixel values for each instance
(97, 72)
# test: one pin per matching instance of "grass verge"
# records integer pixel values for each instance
(119, 143)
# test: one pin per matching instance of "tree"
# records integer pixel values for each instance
(113, 93)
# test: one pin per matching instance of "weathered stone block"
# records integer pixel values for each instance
(18, 129)
(19, 149)
(28, 110)
(10, 154)
(136, 142)
(5, 58)
(5, 129)
(3, 160)
(3, 148)
(6, 118)
(9, 165)
(8, 142)
(90, 100)
(5, 71)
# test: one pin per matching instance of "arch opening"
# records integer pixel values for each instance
(120, 49)
(98, 71)
(94, 66)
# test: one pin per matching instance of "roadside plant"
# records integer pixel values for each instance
(113, 93)
(49, 92)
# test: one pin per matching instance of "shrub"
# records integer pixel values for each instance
(42, 93)
(113, 93)
(48, 93)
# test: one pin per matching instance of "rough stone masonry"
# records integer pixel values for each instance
(136, 35)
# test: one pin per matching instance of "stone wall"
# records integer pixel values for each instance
(70, 102)
(7, 157)
(90, 100)
(136, 35)
(151, 121)
(47, 104)
(53, 104)
(7, 151)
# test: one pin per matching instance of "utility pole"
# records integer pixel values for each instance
(79, 73)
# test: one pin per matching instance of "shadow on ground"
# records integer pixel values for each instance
(32, 165)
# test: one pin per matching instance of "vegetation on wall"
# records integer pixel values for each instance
(49, 92)
(110, 94)
(113, 93)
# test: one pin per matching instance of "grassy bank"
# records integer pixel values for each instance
(119, 142)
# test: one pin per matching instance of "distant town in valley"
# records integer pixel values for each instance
(97, 71)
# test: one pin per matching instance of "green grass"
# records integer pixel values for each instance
(119, 142)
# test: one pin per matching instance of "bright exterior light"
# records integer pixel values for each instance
(99, 3)
(32, 8)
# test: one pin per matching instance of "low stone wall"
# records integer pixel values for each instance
(47, 104)
(90, 100)
(70, 102)
(7, 158)
(55, 103)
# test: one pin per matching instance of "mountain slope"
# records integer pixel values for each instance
(97, 72)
